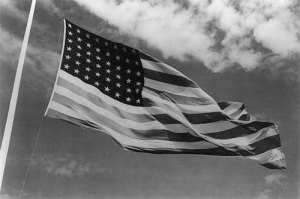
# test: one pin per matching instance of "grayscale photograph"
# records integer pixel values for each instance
(149, 99)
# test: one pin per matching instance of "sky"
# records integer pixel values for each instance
(247, 51)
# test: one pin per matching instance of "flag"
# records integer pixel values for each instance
(147, 106)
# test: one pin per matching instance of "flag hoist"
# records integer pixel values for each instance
(14, 96)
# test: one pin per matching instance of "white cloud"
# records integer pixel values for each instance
(43, 62)
(264, 194)
(193, 30)
(9, 47)
(271, 182)
(7, 196)
(10, 7)
(276, 36)
(67, 166)
(6, 3)
(49, 4)
(275, 178)
(249, 59)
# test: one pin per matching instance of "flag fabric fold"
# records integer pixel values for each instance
(147, 106)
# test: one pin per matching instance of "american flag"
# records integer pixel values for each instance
(148, 106)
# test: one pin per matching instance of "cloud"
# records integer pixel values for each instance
(10, 6)
(272, 181)
(7, 196)
(50, 5)
(43, 62)
(285, 68)
(66, 166)
(264, 194)
(275, 178)
(218, 33)
(221, 34)
(9, 47)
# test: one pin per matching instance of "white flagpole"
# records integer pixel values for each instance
(14, 96)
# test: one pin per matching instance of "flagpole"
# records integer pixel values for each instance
(14, 96)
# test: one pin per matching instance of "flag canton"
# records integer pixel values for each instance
(113, 68)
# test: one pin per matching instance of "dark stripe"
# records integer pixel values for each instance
(271, 142)
(240, 131)
(260, 146)
(204, 118)
(196, 118)
(166, 119)
(273, 166)
(245, 117)
(266, 144)
(167, 135)
(178, 99)
(169, 78)
(148, 57)
(237, 112)
(224, 105)
(71, 120)
(219, 151)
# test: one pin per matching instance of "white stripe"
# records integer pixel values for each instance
(269, 156)
(178, 90)
(172, 109)
(184, 107)
(128, 141)
(66, 111)
(242, 113)
(214, 127)
(233, 108)
(164, 68)
(250, 139)
(61, 58)
(126, 123)
(161, 67)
